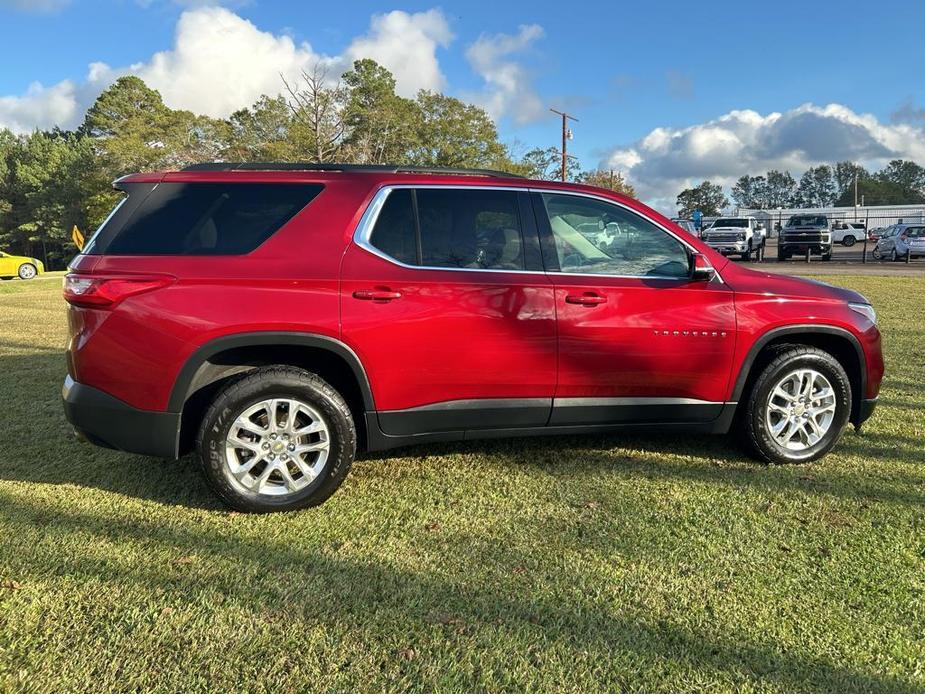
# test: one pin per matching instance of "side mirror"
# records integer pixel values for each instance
(701, 270)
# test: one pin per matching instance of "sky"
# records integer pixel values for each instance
(669, 93)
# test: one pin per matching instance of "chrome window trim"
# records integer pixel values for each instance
(367, 223)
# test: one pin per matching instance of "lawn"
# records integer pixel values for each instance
(572, 564)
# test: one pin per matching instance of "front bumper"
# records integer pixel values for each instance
(107, 421)
(726, 247)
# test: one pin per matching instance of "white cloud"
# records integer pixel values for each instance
(668, 160)
(39, 106)
(508, 88)
(407, 45)
(221, 62)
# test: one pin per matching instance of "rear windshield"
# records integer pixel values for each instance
(200, 218)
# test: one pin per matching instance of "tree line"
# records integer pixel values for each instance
(53, 180)
(899, 182)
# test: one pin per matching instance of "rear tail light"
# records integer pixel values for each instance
(106, 291)
(903, 238)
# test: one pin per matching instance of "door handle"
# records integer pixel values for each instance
(377, 294)
(587, 299)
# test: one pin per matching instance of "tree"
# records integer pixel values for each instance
(908, 175)
(609, 180)
(132, 130)
(261, 132)
(319, 115)
(845, 174)
(382, 125)
(706, 197)
(546, 165)
(751, 192)
(780, 189)
(455, 134)
(817, 187)
(874, 190)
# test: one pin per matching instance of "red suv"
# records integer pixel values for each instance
(277, 318)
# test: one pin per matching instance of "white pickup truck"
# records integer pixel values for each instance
(730, 235)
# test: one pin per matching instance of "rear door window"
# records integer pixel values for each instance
(472, 229)
(205, 218)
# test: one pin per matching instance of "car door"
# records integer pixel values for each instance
(445, 301)
(639, 341)
(6, 265)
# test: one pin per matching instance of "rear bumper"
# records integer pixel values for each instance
(107, 421)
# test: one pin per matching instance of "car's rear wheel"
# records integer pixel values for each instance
(27, 271)
(798, 406)
(848, 241)
(278, 439)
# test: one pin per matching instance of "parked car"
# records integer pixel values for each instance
(901, 240)
(279, 318)
(875, 234)
(21, 266)
(687, 224)
(805, 232)
(736, 235)
(848, 233)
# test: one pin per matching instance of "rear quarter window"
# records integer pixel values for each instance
(203, 218)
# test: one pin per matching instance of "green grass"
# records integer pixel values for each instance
(572, 564)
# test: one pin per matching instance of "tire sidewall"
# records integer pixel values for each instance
(758, 407)
(264, 385)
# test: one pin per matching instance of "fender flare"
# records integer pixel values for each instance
(181, 386)
(762, 341)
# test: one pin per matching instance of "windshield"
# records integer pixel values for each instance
(807, 221)
(740, 223)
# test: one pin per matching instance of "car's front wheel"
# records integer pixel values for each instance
(27, 271)
(798, 406)
(277, 439)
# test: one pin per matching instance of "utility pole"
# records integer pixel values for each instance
(566, 135)
(855, 196)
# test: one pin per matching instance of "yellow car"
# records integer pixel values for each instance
(19, 266)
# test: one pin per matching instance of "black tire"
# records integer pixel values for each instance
(747, 256)
(254, 387)
(753, 426)
(827, 256)
(27, 271)
(894, 256)
(848, 241)
(782, 255)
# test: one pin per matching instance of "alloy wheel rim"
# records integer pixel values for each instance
(27, 272)
(801, 409)
(277, 447)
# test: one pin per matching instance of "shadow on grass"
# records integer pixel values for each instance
(37, 446)
(319, 586)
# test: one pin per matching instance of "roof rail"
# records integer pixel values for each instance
(360, 168)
